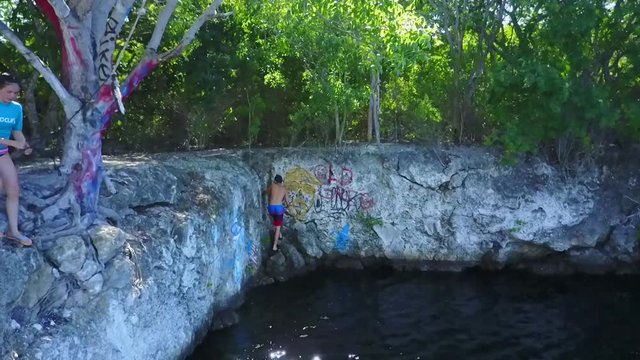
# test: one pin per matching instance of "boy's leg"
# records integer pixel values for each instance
(276, 238)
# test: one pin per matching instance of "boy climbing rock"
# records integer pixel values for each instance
(277, 193)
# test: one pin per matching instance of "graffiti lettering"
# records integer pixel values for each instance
(340, 198)
(325, 192)
(345, 177)
(106, 48)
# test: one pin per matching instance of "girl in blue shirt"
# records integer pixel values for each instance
(11, 126)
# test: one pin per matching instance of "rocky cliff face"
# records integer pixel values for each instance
(179, 238)
(181, 235)
(450, 210)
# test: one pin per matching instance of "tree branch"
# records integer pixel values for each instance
(209, 13)
(161, 25)
(106, 42)
(61, 8)
(99, 20)
(121, 10)
(35, 61)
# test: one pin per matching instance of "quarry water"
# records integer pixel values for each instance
(383, 314)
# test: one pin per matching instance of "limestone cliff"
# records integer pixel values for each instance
(180, 236)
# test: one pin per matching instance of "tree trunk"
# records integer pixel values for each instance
(336, 117)
(374, 107)
(31, 110)
(376, 113)
(90, 93)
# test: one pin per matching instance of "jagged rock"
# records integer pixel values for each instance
(38, 285)
(89, 268)
(120, 274)
(194, 225)
(108, 241)
(55, 297)
(225, 319)
(140, 186)
(277, 264)
(624, 242)
(293, 256)
(591, 261)
(68, 254)
(349, 263)
(16, 266)
(308, 238)
(94, 284)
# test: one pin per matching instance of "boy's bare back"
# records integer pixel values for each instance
(277, 194)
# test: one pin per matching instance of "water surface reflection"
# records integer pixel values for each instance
(382, 314)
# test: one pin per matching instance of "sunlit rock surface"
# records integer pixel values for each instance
(180, 236)
(178, 239)
(453, 209)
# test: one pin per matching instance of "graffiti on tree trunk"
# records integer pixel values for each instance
(105, 51)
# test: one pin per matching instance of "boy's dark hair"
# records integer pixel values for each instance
(278, 179)
(6, 79)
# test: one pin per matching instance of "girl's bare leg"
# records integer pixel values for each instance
(9, 176)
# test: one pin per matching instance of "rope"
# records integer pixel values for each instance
(115, 86)
(141, 12)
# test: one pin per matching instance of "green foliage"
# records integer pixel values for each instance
(368, 221)
(558, 82)
(265, 241)
(553, 75)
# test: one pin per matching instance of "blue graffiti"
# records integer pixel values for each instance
(236, 228)
(342, 239)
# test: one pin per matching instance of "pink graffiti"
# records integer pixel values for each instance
(106, 99)
(366, 201)
(77, 54)
(345, 177)
(142, 71)
(335, 195)
(86, 175)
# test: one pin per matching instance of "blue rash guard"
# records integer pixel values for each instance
(10, 120)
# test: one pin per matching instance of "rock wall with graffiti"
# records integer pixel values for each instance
(325, 192)
(330, 195)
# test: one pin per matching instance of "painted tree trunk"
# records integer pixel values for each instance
(88, 78)
(89, 91)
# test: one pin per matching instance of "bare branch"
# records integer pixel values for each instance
(35, 61)
(121, 10)
(80, 7)
(99, 19)
(107, 40)
(161, 25)
(210, 12)
(61, 8)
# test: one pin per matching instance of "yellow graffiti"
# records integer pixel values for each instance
(301, 185)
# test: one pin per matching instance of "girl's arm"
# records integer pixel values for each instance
(19, 143)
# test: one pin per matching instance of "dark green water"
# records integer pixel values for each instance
(384, 314)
